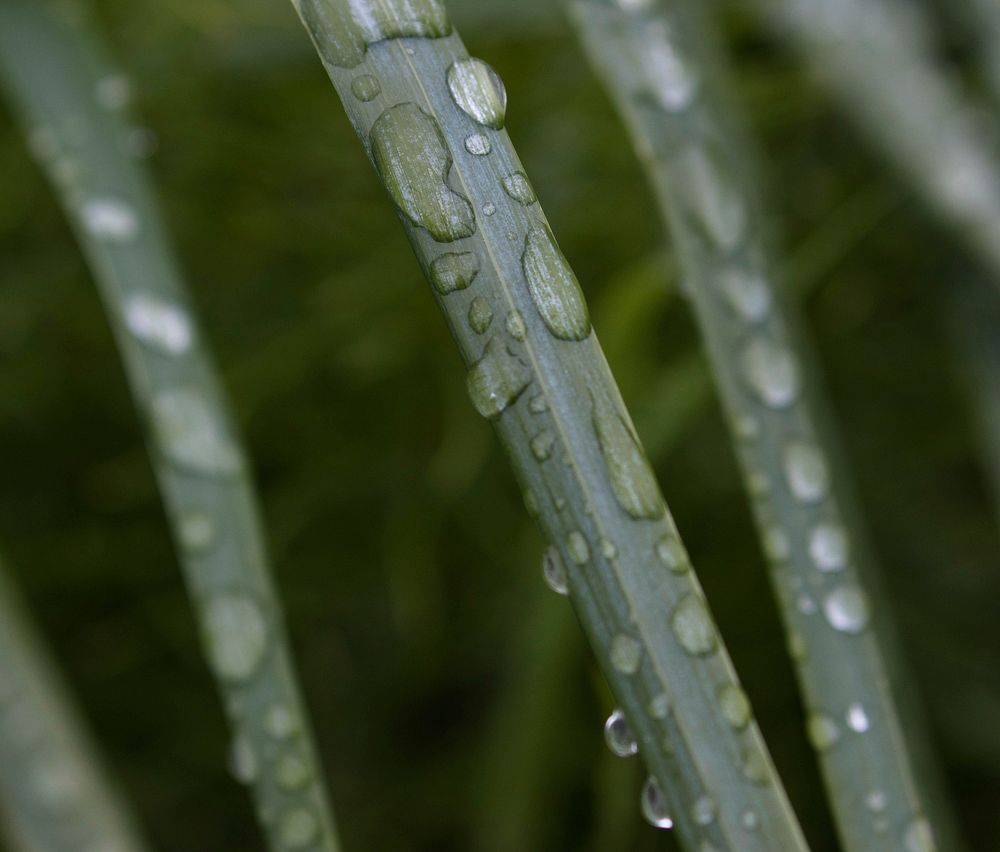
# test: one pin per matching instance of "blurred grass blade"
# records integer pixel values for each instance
(71, 107)
(431, 119)
(659, 65)
(54, 792)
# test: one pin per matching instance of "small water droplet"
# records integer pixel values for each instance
(776, 544)
(478, 91)
(292, 772)
(857, 718)
(797, 648)
(703, 811)
(806, 472)
(876, 801)
(673, 81)
(553, 286)
(516, 185)
(554, 572)
(497, 380)
(735, 706)
(542, 444)
(454, 271)
(625, 653)
(189, 432)
(749, 820)
(713, 197)
(693, 626)
(608, 549)
(515, 325)
(531, 503)
(632, 479)
(159, 324)
(618, 736)
(755, 767)
(771, 372)
(747, 428)
(141, 143)
(480, 315)
(281, 722)
(759, 484)
(242, 760)
(197, 531)
(919, 837)
(110, 219)
(847, 610)
(236, 634)
(823, 731)
(659, 706)
(747, 294)
(654, 805)
(828, 547)
(538, 404)
(579, 550)
(489, 208)
(478, 144)
(298, 828)
(366, 88)
(671, 553)
(113, 92)
(806, 604)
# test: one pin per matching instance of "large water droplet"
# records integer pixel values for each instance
(747, 293)
(478, 144)
(454, 271)
(237, 635)
(579, 550)
(159, 324)
(806, 472)
(857, 718)
(517, 187)
(554, 572)
(480, 315)
(919, 837)
(654, 806)
(823, 731)
(478, 91)
(190, 434)
(553, 286)
(713, 197)
(497, 380)
(632, 479)
(625, 653)
(618, 736)
(413, 159)
(298, 828)
(828, 547)
(771, 372)
(366, 88)
(735, 706)
(110, 219)
(693, 626)
(847, 609)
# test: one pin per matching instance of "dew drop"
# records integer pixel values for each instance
(919, 837)
(113, 92)
(806, 472)
(366, 88)
(771, 372)
(823, 731)
(197, 531)
(755, 768)
(489, 208)
(478, 91)
(298, 828)
(159, 324)
(242, 760)
(517, 187)
(735, 706)
(480, 315)
(515, 325)
(659, 707)
(847, 609)
(671, 553)
(747, 294)
(538, 404)
(673, 80)
(237, 635)
(454, 271)
(618, 736)
(806, 604)
(654, 805)
(541, 445)
(632, 479)
(190, 434)
(608, 549)
(828, 547)
(579, 550)
(292, 772)
(553, 286)
(280, 722)
(703, 811)
(876, 801)
(478, 144)
(554, 572)
(693, 626)
(776, 544)
(625, 653)
(857, 718)
(531, 503)
(749, 820)
(713, 197)
(110, 219)
(497, 380)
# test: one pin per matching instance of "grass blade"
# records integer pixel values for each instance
(70, 104)
(431, 119)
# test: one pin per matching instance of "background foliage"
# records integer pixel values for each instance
(455, 702)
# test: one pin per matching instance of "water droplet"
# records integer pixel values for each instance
(632, 479)
(654, 805)
(747, 293)
(797, 648)
(197, 531)
(553, 286)
(771, 372)
(857, 718)
(454, 271)
(608, 549)
(659, 706)
(735, 706)
(823, 731)
(703, 811)
(671, 553)
(480, 315)
(579, 550)
(489, 208)
(478, 144)
(674, 82)
(806, 604)
(515, 325)
(281, 722)
(919, 837)
(713, 197)
(847, 610)
(413, 160)
(828, 547)
(141, 142)
(497, 380)
(517, 187)
(236, 634)
(538, 404)
(242, 760)
(110, 219)
(478, 91)
(189, 432)
(298, 828)
(292, 772)
(806, 472)
(750, 820)
(618, 736)
(531, 503)
(366, 88)
(542, 444)
(159, 324)
(876, 801)
(747, 428)
(755, 767)
(554, 572)
(776, 544)
(113, 92)
(693, 626)
(625, 653)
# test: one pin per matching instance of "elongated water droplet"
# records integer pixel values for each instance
(747, 293)
(857, 718)
(515, 325)
(735, 706)
(554, 572)
(713, 197)
(632, 479)
(478, 91)
(110, 219)
(654, 806)
(771, 372)
(242, 760)
(413, 160)
(159, 324)
(847, 609)
(531, 503)
(608, 549)
(298, 828)
(292, 772)
(553, 286)
(517, 187)
(579, 550)
(693, 626)
(828, 547)
(618, 736)
(919, 837)
(823, 731)
(366, 88)
(497, 380)
(625, 653)
(190, 434)
(806, 472)
(542, 444)
(237, 635)
(454, 271)
(776, 544)
(671, 553)
(673, 80)
(478, 144)
(480, 315)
